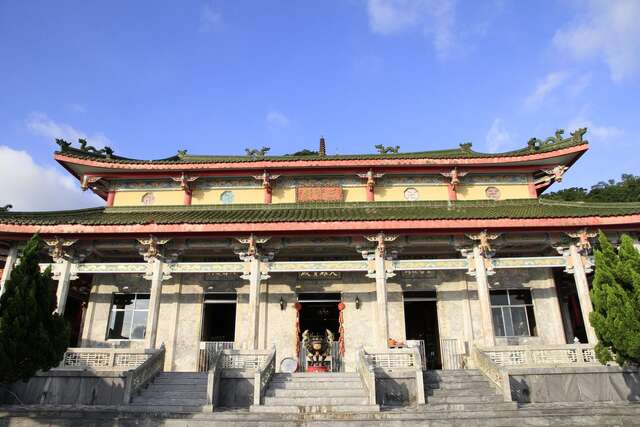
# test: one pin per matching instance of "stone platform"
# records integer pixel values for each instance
(557, 414)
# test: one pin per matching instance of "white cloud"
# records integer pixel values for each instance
(40, 124)
(29, 186)
(606, 30)
(210, 17)
(276, 119)
(434, 17)
(544, 88)
(596, 133)
(498, 138)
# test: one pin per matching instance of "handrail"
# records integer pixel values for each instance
(214, 361)
(367, 374)
(140, 376)
(496, 374)
(263, 375)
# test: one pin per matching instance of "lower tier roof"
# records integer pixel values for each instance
(324, 216)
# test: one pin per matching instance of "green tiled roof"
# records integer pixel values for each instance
(463, 152)
(370, 211)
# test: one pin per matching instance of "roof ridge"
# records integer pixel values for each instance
(534, 146)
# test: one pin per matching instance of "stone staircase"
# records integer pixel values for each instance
(174, 392)
(315, 392)
(462, 390)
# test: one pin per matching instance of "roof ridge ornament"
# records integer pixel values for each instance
(466, 147)
(6, 208)
(253, 152)
(558, 138)
(66, 147)
(387, 149)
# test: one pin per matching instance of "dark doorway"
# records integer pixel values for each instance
(73, 313)
(572, 320)
(319, 312)
(219, 318)
(421, 323)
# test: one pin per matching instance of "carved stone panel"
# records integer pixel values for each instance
(319, 194)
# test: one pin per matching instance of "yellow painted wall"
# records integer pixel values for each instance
(477, 191)
(240, 195)
(425, 192)
(134, 198)
(351, 194)
(283, 195)
(355, 194)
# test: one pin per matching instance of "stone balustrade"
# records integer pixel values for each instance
(543, 355)
(104, 358)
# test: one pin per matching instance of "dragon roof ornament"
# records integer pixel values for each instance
(557, 138)
(106, 152)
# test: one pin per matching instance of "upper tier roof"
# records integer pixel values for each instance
(535, 146)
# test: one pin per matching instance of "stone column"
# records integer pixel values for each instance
(64, 269)
(254, 300)
(156, 266)
(480, 266)
(381, 298)
(483, 296)
(10, 262)
(254, 273)
(582, 287)
(63, 272)
(381, 273)
(150, 249)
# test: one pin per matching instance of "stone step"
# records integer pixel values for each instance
(314, 401)
(182, 375)
(319, 375)
(323, 409)
(307, 380)
(320, 393)
(480, 385)
(167, 409)
(180, 381)
(178, 388)
(191, 394)
(484, 391)
(461, 407)
(171, 401)
(453, 372)
(316, 385)
(455, 379)
(465, 399)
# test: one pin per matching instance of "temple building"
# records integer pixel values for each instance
(447, 252)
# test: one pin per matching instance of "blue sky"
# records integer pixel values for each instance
(216, 77)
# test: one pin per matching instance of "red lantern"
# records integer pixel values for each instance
(341, 306)
(297, 306)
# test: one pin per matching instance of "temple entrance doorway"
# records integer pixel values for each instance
(421, 325)
(318, 313)
(218, 329)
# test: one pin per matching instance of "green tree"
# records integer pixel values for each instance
(32, 337)
(616, 301)
(626, 190)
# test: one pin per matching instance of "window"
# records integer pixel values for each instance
(512, 312)
(128, 317)
(148, 199)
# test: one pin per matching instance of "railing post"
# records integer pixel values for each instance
(420, 395)
(528, 357)
(128, 384)
(579, 353)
